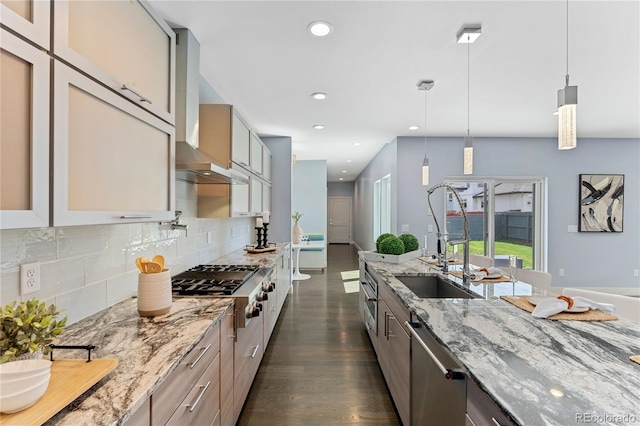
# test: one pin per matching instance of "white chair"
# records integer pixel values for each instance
(537, 278)
(478, 260)
(627, 307)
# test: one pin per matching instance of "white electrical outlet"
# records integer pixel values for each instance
(635, 272)
(29, 278)
(429, 228)
(561, 272)
(233, 231)
(210, 237)
(405, 228)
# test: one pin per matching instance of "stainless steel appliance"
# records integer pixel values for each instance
(369, 301)
(438, 383)
(249, 285)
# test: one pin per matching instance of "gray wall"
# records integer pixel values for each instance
(576, 253)
(279, 227)
(309, 195)
(340, 189)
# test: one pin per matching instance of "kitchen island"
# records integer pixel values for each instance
(537, 371)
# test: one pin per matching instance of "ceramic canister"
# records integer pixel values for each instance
(154, 293)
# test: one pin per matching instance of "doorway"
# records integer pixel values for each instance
(339, 220)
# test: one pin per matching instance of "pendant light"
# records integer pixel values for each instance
(468, 35)
(425, 85)
(567, 104)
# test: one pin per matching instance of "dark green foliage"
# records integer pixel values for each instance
(410, 242)
(380, 238)
(391, 245)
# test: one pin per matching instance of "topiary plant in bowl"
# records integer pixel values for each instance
(391, 245)
(410, 242)
(382, 237)
(28, 327)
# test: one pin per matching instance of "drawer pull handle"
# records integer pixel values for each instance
(254, 351)
(448, 373)
(204, 351)
(495, 422)
(195, 403)
(142, 98)
(135, 217)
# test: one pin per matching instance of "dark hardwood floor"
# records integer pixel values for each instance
(320, 367)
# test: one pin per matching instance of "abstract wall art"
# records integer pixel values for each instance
(601, 203)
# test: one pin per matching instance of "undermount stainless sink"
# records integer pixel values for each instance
(433, 286)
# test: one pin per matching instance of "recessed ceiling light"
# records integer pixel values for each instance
(413, 127)
(340, 178)
(356, 144)
(320, 28)
(348, 161)
(344, 171)
(319, 96)
(318, 126)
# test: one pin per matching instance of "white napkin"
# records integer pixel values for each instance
(478, 275)
(553, 306)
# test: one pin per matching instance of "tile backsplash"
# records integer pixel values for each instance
(85, 269)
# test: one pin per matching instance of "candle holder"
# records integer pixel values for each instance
(259, 238)
(265, 243)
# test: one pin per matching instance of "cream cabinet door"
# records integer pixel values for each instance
(256, 195)
(240, 141)
(266, 164)
(113, 162)
(24, 134)
(256, 154)
(240, 200)
(266, 196)
(124, 44)
(29, 18)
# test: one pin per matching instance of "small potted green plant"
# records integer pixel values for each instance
(28, 328)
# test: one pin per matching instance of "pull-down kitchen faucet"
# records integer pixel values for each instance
(466, 275)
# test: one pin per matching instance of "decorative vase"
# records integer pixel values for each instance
(297, 233)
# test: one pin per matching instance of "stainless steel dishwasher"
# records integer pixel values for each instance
(438, 384)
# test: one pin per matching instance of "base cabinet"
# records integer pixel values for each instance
(481, 410)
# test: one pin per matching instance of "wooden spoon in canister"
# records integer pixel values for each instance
(140, 265)
(153, 267)
(159, 259)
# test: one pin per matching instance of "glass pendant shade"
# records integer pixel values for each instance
(468, 155)
(567, 105)
(425, 171)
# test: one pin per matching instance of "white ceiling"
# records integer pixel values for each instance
(259, 56)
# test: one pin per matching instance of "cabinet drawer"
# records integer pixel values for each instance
(175, 387)
(249, 345)
(113, 162)
(481, 410)
(400, 311)
(24, 134)
(243, 382)
(142, 416)
(201, 406)
(121, 44)
(227, 340)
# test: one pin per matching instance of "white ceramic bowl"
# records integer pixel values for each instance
(18, 401)
(23, 368)
(33, 378)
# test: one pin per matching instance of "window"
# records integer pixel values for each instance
(381, 206)
(507, 216)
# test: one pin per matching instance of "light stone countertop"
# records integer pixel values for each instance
(517, 359)
(147, 349)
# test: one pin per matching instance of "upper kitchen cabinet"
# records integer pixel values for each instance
(123, 44)
(24, 134)
(30, 18)
(266, 163)
(225, 136)
(256, 154)
(113, 162)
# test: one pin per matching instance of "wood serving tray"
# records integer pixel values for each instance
(255, 250)
(70, 378)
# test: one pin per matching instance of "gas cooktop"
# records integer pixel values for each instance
(212, 280)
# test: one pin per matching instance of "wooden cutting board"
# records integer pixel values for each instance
(70, 378)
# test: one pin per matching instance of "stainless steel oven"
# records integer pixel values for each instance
(369, 301)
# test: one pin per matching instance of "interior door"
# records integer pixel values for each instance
(339, 220)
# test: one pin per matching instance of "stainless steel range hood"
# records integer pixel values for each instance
(193, 165)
